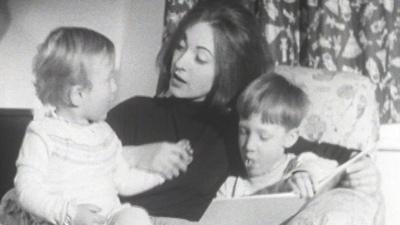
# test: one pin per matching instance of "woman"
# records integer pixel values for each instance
(216, 50)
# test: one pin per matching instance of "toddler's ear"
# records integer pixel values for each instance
(77, 95)
(291, 137)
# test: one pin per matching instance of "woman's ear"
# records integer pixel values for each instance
(77, 95)
(292, 136)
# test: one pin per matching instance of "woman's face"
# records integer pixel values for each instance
(193, 64)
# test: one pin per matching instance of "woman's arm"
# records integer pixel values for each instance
(362, 175)
(325, 150)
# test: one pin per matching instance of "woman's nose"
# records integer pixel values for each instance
(182, 60)
(114, 86)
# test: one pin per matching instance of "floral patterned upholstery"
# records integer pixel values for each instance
(343, 107)
(343, 111)
(345, 35)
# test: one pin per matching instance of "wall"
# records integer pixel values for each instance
(135, 32)
(388, 160)
(141, 42)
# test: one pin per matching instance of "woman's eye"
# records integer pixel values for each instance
(202, 58)
(181, 45)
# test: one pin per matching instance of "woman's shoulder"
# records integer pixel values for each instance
(135, 102)
(138, 109)
(134, 105)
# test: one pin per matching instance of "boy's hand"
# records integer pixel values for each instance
(302, 184)
(87, 214)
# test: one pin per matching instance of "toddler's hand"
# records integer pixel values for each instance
(302, 184)
(166, 158)
(87, 214)
(185, 144)
(179, 160)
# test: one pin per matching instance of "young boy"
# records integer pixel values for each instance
(70, 166)
(270, 111)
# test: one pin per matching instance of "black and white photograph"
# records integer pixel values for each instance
(199, 112)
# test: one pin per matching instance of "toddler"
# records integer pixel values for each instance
(270, 111)
(70, 168)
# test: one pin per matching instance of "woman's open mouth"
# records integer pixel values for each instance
(177, 80)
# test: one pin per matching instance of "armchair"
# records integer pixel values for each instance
(343, 111)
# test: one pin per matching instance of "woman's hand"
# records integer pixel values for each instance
(166, 158)
(362, 175)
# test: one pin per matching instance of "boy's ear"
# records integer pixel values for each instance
(77, 95)
(291, 137)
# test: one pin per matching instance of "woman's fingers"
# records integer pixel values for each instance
(360, 165)
(364, 178)
(358, 182)
(365, 184)
(362, 175)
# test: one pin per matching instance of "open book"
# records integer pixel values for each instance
(270, 209)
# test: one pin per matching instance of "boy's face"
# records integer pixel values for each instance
(262, 145)
(99, 98)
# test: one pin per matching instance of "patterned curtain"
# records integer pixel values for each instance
(338, 35)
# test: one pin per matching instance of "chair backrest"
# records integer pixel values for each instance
(343, 107)
(13, 123)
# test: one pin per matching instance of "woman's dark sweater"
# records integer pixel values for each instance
(213, 137)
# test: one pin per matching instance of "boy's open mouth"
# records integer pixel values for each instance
(249, 162)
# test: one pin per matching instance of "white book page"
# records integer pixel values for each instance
(253, 210)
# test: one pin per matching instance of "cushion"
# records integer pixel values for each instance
(13, 123)
(343, 107)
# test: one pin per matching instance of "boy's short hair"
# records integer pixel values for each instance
(276, 99)
(62, 60)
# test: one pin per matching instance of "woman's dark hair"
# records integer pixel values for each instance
(240, 49)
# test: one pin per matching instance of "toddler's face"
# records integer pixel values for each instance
(100, 97)
(262, 145)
